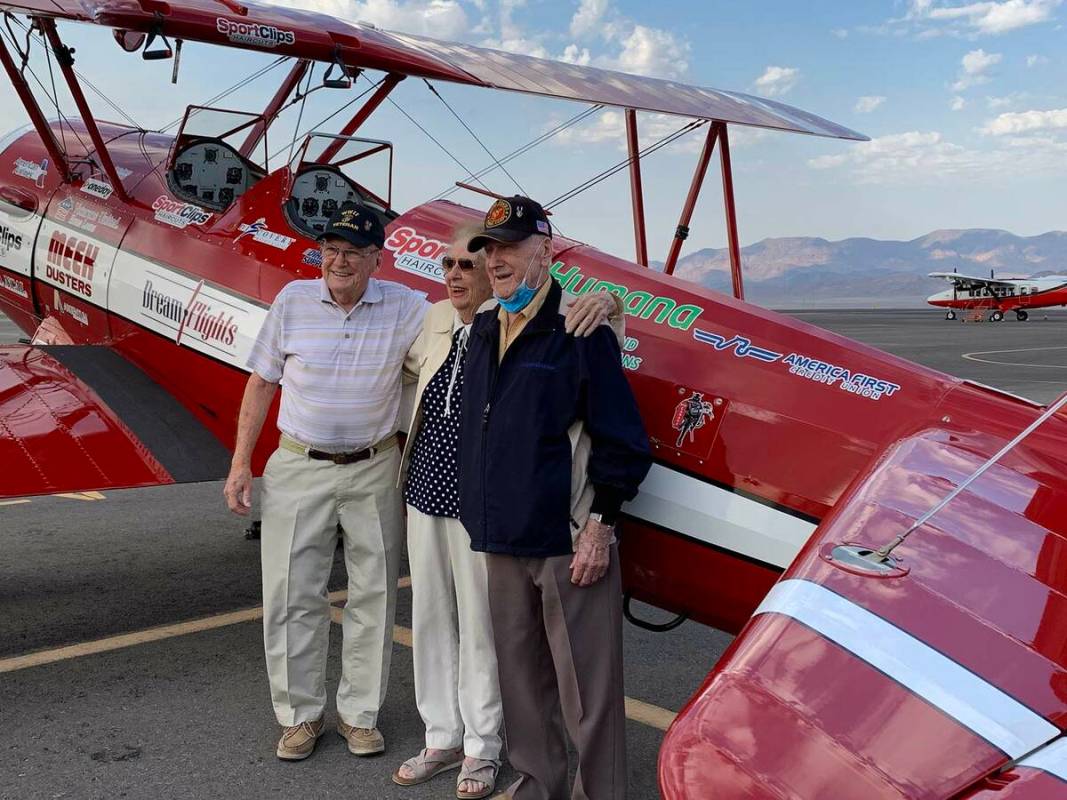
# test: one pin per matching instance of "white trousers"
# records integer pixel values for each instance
(456, 684)
(303, 500)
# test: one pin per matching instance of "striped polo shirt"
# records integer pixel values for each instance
(340, 372)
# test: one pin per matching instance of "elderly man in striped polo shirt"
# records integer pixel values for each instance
(339, 345)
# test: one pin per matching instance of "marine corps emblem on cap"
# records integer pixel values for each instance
(499, 213)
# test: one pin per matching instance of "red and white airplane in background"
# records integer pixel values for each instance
(999, 295)
(887, 542)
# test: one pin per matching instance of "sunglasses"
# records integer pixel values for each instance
(464, 264)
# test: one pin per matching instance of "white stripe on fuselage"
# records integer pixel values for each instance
(970, 700)
(719, 517)
(1051, 759)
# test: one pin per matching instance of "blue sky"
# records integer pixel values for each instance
(965, 103)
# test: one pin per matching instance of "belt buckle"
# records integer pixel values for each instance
(340, 459)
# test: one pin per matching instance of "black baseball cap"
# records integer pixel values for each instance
(357, 224)
(511, 219)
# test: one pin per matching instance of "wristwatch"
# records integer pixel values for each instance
(603, 519)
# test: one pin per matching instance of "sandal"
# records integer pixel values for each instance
(424, 766)
(480, 771)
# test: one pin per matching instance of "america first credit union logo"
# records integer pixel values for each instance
(691, 415)
(499, 213)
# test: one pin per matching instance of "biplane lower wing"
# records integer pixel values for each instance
(922, 681)
(81, 417)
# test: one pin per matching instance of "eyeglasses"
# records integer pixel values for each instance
(464, 264)
(329, 252)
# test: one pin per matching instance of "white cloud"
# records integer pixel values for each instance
(975, 65)
(904, 157)
(776, 81)
(1004, 101)
(1015, 122)
(649, 51)
(988, 17)
(588, 17)
(840, 33)
(868, 103)
(957, 104)
(443, 19)
(1036, 60)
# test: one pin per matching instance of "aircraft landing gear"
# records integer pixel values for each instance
(996, 316)
(1021, 315)
(950, 315)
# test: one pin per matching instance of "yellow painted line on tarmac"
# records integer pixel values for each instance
(89, 496)
(637, 710)
(12, 502)
(975, 356)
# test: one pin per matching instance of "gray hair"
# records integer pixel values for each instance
(463, 233)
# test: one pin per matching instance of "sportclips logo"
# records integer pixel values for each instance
(9, 240)
(416, 253)
(198, 315)
(253, 34)
(71, 262)
(179, 215)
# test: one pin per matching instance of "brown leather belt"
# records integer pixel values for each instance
(294, 446)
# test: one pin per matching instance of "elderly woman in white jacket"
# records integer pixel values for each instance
(456, 684)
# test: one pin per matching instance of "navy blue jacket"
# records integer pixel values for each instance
(515, 453)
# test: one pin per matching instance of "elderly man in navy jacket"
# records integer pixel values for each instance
(551, 446)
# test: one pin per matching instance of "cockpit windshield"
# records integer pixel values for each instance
(332, 170)
(211, 164)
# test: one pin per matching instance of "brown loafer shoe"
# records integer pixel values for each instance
(361, 741)
(298, 741)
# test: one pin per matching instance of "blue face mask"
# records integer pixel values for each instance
(522, 296)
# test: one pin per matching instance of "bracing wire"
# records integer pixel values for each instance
(577, 118)
(601, 176)
(467, 128)
(300, 116)
(239, 85)
(324, 120)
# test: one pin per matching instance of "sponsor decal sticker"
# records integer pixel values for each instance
(15, 286)
(98, 188)
(417, 254)
(660, 309)
(631, 361)
(690, 415)
(66, 205)
(10, 240)
(258, 231)
(178, 214)
(71, 262)
(254, 34)
(73, 312)
(802, 366)
(197, 315)
(312, 257)
(32, 171)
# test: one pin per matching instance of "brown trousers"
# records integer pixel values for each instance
(559, 651)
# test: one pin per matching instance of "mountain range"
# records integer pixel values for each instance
(805, 272)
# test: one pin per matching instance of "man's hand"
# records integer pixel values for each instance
(238, 489)
(589, 311)
(591, 560)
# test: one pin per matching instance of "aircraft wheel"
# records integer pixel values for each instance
(996, 316)
(1021, 315)
(951, 315)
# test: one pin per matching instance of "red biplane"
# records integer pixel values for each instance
(887, 542)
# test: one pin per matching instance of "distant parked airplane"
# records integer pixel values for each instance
(999, 294)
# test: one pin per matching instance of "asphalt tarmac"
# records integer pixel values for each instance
(131, 660)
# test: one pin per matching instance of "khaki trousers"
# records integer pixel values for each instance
(559, 650)
(303, 501)
(456, 687)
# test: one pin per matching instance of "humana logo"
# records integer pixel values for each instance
(636, 303)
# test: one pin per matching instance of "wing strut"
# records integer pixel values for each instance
(44, 130)
(296, 74)
(637, 196)
(64, 55)
(384, 88)
(682, 231)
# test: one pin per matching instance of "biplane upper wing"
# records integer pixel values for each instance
(306, 34)
(80, 418)
(969, 281)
